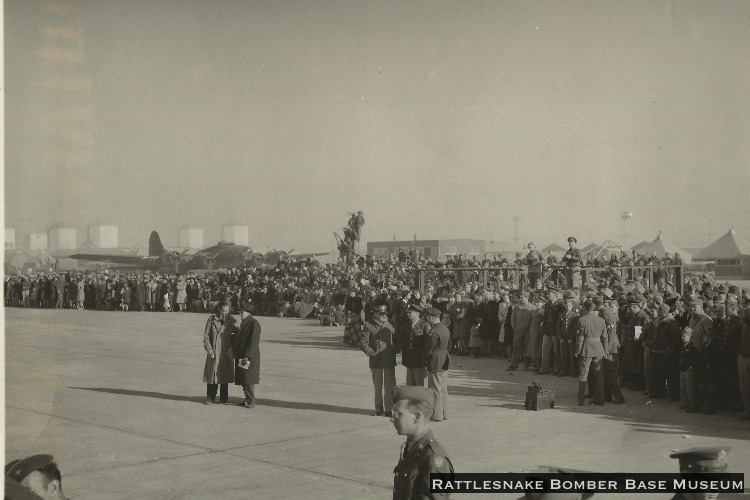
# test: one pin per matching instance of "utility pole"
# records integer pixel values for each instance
(516, 220)
(709, 231)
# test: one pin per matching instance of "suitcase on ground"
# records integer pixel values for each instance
(539, 399)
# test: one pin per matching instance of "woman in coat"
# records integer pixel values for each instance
(218, 371)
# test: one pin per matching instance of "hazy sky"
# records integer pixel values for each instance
(438, 118)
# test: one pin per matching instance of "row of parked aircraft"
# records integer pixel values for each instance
(223, 255)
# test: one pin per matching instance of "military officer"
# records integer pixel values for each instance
(414, 334)
(591, 348)
(38, 473)
(572, 260)
(377, 343)
(421, 454)
(703, 460)
(568, 315)
(437, 361)
(608, 312)
(521, 321)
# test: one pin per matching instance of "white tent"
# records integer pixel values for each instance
(662, 247)
(729, 246)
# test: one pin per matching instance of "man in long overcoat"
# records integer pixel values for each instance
(218, 371)
(246, 347)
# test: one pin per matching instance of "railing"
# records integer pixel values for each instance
(647, 275)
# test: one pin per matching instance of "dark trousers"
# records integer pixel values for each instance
(212, 388)
(611, 387)
(249, 391)
(594, 365)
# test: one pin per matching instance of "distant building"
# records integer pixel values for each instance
(35, 242)
(441, 249)
(190, 237)
(235, 234)
(62, 238)
(10, 238)
(102, 236)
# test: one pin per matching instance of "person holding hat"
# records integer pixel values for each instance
(421, 454)
(246, 352)
(701, 460)
(39, 474)
(377, 342)
(437, 362)
(218, 370)
(572, 260)
(413, 336)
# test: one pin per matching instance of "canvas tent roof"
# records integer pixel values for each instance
(728, 246)
(638, 246)
(553, 247)
(588, 247)
(605, 249)
(662, 246)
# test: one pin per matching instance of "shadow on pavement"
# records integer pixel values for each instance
(273, 403)
(321, 343)
(145, 394)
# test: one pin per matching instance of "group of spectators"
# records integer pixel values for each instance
(509, 311)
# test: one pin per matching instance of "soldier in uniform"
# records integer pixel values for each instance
(421, 454)
(568, 315)
(413, 337)
(437, 361)
(591, 342)
(377, 342)
(608, 312)
(39, 474)
(703, 460)
(632, 343)
(521, 321)
(535, 262)
(572, 260)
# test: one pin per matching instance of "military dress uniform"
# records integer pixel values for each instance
(437, 362)
(412, 474)
(412, 350)
(419, 459)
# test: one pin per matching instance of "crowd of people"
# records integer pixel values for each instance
(528, 311)
(608, 328)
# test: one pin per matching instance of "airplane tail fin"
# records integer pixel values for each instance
(155, 248)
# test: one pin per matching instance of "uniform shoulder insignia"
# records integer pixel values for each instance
(438, 461)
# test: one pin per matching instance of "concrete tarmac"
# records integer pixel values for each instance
(117, 398)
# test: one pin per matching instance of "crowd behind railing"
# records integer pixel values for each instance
(693, 348)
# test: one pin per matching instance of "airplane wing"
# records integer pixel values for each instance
(304, 255)
(130, 260)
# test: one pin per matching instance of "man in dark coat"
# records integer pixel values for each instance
(412, 338)
(246, 350)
